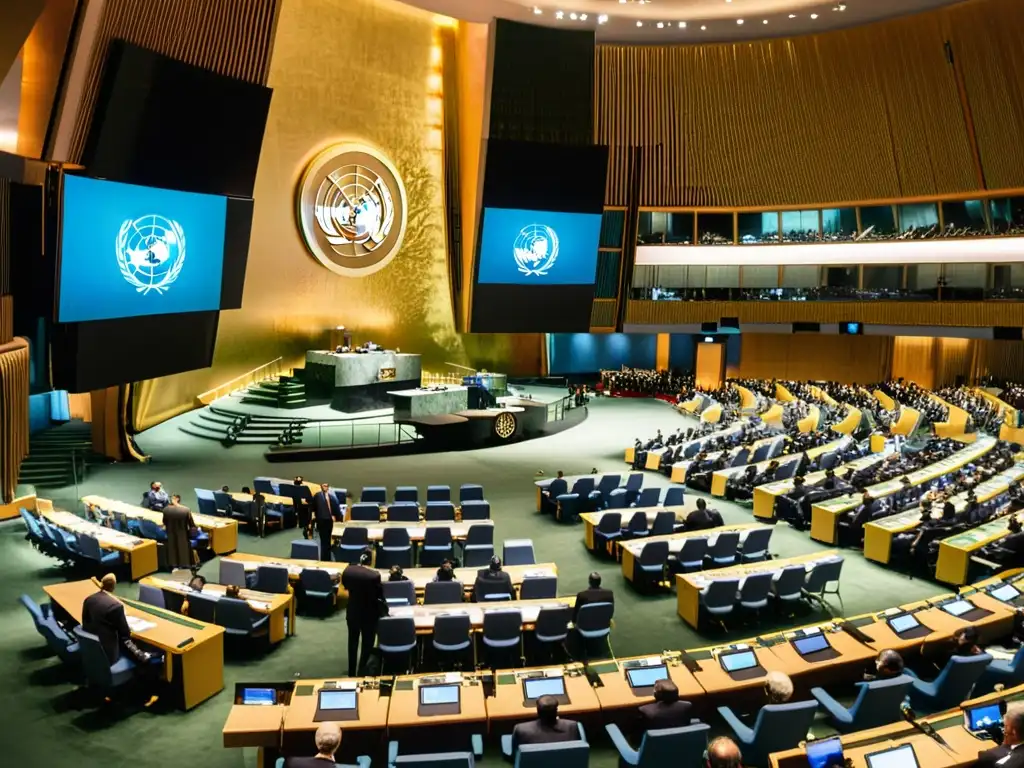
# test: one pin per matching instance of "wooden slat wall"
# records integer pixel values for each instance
(805, 357)
(232, 37)
(863, 113)
(13, 413)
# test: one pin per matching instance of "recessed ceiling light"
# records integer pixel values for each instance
(573, 16)
(559, 15)
(639, 23)
(739, 21)
(814, 15)
(602, 18)
(702, 27)
(792, 15)
(765, 21)
(537, 10)
(682, 25)
(583, 17)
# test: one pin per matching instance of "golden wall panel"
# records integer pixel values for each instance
(602, 313)
(862, 113)
(807, 357)
(362, 70)
(13, 413)
(949, 313)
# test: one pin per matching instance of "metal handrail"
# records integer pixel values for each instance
(260, 373)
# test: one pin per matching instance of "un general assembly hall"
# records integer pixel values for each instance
(540, 383)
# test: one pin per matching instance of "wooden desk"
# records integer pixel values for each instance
(766, 495)
(717, 682)
(424, 616)
(689, 585)
(852, 659)
(996, 626)
(140, 554)
(929, 754)
(507, 707)
(628, 456)
(405, 699)
(592, 519)
(417, 531)
(223, 532)
(250, 725)
(721, 477)
(196, 668)
(955, 551)
(268, 498)
(615, 693)
(825, 516)
(681, 468)
(276, 606)
(299, 725)
(630, 550)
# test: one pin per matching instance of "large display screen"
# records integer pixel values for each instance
(128, 251)
(538, 247)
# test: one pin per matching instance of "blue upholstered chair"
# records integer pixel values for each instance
(430, 760)
(583, 486)
(354, 539)
(437, 546)
(691, 555)
(476, 510)
(502, 634)
(678, 747)
(452, 635)
(753, 595)
(952, 686)
(568, 507)
(664, 523)
(608, 529)
(152, 596)
(1009, 673)
(443, 592)
(203, 608)
(649, 568)
(89, 548)
(439, 511)
(593, 623)
(364, 512)
(403, 512)
(788, 586)
(273, 579)
(723, 552)
(231, 572)
(719, 598)
(223, 502)
(438, 493)
(562, 754)
(552, 627)
(97, 668)
(617, 499)
(518, 552)
(778, 727)
(538, 588)
(407, 493)
(636, 527)
(877, 704)
(399, 592)
(303, 549)
(151, 530)
(362, 761)
(649, 497)
(396, 640)
(265, 485)
(510, 747)
(555, 488)
(755, 546)
(674, 496)
(207, 502)
(316, 584)
(605, 486)
(375, 494)
(66, 648)
(470, 492)
(395, 548)
(478, 548)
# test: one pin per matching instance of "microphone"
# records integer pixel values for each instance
(911, 717)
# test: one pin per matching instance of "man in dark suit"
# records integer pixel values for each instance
(325, 511)
(593, 594)
(302, 517)
(1009, 754)
(1009, 550)
(492, 580)
(555, 488)
(702, 518)
(365, 596)
(327, 740)
(103, 616)
(547, 728)
(667, 711)
(178, 523)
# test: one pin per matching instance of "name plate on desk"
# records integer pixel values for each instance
(387, 374)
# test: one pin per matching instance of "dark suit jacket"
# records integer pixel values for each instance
(493, 581)
(325, 506)
(592, 595)
(364, 594)
(657, 715)
(990, 758)
(535, 732)
(178, 522)
(308, 762)
(699, 520)
(103, 616)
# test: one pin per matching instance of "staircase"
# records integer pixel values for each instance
(213, 423)
(52, 452)
(281, 392)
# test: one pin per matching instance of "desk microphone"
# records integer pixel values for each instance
(911, 717)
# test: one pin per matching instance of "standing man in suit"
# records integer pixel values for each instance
(493, 580)
(302, 515)
(667, 711)
(178, 523)
(547, 728)
(365, 597)
(325, 511)
(103, 616)
(593, 594)
(1009, 754)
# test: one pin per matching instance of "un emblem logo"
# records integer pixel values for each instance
(150, 252)
(535, 249)
(352, 209)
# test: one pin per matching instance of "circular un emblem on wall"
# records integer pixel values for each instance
(505, 425)
(352, 209)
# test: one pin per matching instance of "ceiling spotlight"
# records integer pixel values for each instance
(682, 25)
(559, 15)
(583, 17)
(572, 16)
(603, 18)
(639, 23)
(702, 27)
(537, 10)
(765, 21)
(622, 2)
(814, 15)
(842, 6)
(792, 15)
(739, 21)
(661, 25)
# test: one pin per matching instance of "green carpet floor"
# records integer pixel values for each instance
(44, 719)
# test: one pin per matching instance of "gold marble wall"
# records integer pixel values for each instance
(365, 71)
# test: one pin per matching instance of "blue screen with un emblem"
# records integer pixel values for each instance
(128, 250)
(538, 247)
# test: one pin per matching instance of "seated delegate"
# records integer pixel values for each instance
(547, 728)
(887, 665)
(595, 593)
(492, 580)
(328, 740)
(703, 518)
(1009, 754)
(667, 710)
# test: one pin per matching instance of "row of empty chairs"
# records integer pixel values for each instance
(234, 614)
(397, 548)
(409, 511)
(699, 553)
(70, 548)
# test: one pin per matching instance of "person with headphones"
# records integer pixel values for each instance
(723, 753)
(365, 601)
(492, 581)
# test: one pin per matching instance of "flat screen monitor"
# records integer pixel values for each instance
(433, 695)
(810, 644)
(903, 623)
(1007, 593)
(263, 697)
(337, 700)
(958, 608)
(825, 753)
(898, 757)
(646, 677)
(982, 718)
(738, 661)
(535, 687)
(131, 251)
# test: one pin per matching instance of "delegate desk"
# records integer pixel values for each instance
(408, 721)
(277, 607)
(690, 585)
(509, 706)
(417, 531)
(632, 548)
(616, 695)
(424, 616)
(193, 650)
(847, 658)
(955, 551)
(681, 468)
(592, 519)
(825, 516)
(268, 498)
(420, 577)
(766, 495)
(722, 476)
(223, 531)
(361, 735)
(140, 554)
(878, 534)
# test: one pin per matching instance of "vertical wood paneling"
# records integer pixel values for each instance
(13, 413)
(231, 37)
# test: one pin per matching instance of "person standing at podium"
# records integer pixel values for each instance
(325, 511)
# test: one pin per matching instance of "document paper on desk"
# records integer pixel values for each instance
(139, 625)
